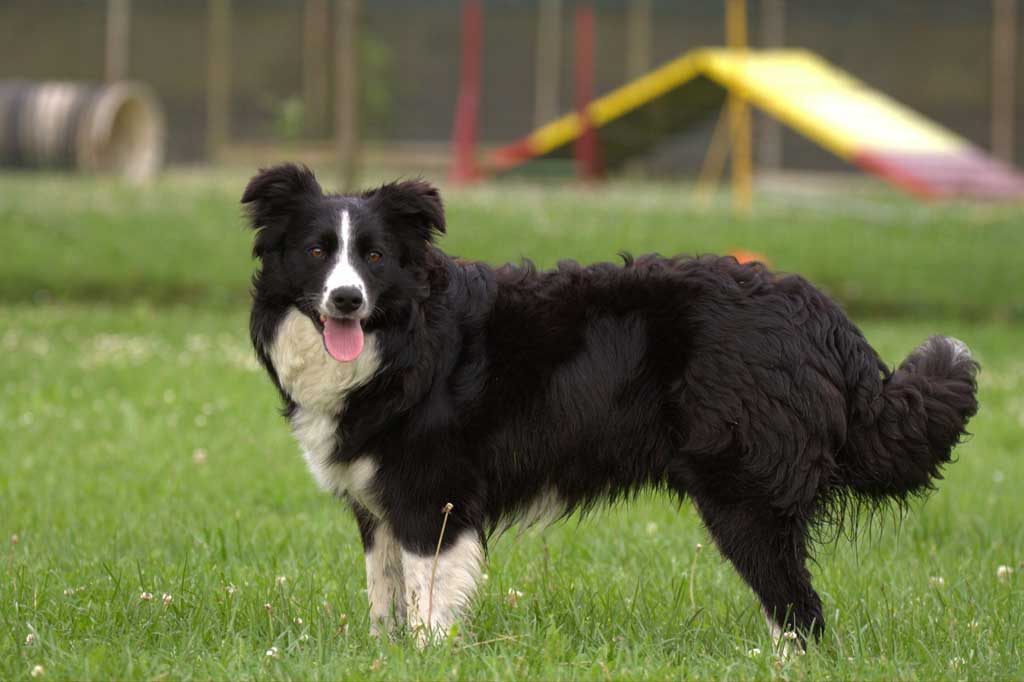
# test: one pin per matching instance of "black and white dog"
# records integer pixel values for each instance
(413, 380)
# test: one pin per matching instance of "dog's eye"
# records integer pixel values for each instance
(317, 252)
(374, 256)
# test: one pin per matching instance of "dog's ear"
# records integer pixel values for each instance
(412, 204)
(272, 197)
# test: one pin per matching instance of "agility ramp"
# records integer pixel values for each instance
(800, 89)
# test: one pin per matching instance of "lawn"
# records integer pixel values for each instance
(140, 452)
(183, 240)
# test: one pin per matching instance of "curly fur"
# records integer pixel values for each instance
(750, 393)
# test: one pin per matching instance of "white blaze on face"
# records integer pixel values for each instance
(344, 273)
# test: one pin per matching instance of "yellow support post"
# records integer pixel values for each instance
(218, 79)
(739, 111)
(714, 160)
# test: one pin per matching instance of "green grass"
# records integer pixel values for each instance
(107, 396)
(183, 240)
(103, 409)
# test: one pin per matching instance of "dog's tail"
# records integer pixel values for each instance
(898, 440)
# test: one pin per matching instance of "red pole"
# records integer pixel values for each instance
(467, 108)
(587, 147)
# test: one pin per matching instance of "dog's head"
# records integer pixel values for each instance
(340, 259)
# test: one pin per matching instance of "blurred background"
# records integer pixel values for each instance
(235, 78)
(871, 146)
(793, 107)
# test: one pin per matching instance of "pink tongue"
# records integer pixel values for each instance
(343, 338)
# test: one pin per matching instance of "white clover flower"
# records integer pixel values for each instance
(937, 581)
(167, 599)
(343, 625)
(199, 456)
(754, 653)
(146, 596)
(304, 637)
(269, 607)
(273, 652)
(298, 621)
(231, 589)
(30, 639)
(1003, 572)
(789, 634)
(651, 528)
(38, 671)
(280, 580)
(513, 597)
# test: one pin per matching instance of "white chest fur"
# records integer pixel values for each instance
(318, 384)
(312, 378)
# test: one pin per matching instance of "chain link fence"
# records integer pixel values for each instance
(933, 55)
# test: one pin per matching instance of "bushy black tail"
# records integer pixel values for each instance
(898, 442)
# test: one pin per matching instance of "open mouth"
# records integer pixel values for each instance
(343, 337)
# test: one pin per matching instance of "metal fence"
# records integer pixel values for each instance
(934, 55)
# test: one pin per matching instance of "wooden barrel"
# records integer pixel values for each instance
(92, 128)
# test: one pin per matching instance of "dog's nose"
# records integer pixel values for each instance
(346, 299)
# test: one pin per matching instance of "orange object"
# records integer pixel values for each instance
(744, 256)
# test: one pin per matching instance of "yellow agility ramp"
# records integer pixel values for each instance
(833, 109)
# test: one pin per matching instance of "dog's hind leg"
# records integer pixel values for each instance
(770, 552)
(385, 581)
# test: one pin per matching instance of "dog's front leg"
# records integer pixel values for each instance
(437, 593)
(385, 581)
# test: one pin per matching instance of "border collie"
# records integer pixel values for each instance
(413, 380)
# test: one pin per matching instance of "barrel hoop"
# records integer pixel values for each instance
(7, 142)
(77, 123)
(52, 105)
(13, 128)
